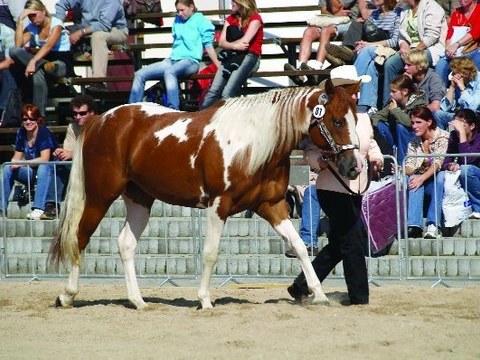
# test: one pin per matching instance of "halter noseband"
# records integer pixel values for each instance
(319, 114)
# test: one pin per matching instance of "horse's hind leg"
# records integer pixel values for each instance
(93, 214)
(137, 218)
(71, 288)
(210, 253)
(287, 232)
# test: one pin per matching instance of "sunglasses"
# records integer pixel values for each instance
(81, 113)
(29, 118)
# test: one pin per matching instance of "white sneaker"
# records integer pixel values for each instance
(432, 232)
(35, 214)
(475, 215)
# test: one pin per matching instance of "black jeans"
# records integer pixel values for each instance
(345, 242)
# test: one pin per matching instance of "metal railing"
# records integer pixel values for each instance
(171, 246)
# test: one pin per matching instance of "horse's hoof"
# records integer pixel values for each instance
(141, 306)
(58, 303)
(205, 305)
(321, 302)
(64, 301)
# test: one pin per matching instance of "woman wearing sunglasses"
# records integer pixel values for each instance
(34, 144)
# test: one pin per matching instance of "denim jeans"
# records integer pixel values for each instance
(393, 67)
(400, 137)
(443, 118)
(26, 175)
(470, 180)
(310, 223)
(434, 190)
(40, 80)
(227, 88)
(57, 184)
(442, 67)
(168, 69)
(8, 84)
(365, 65)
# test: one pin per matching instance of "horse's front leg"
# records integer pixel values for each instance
(277, 215)
(287, 231)
(71, 288)
(137, 219)
(210, 254)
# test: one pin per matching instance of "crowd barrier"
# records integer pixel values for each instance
(170, 248)
(455, 256)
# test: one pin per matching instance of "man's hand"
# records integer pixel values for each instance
(62, 154)
(75, 37)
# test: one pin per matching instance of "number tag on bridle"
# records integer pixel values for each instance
(319, 111)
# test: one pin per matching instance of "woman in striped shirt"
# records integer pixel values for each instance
(357, 50)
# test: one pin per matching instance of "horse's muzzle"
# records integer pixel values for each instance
(348, 165)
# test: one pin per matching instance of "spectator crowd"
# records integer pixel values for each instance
(419, 100)
(422, 95)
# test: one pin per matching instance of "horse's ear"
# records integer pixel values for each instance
(354, 88)
(329, 87)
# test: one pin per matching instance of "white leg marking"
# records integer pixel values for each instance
(287, 232)
(137, 219)
(210, 253)
(71, 288)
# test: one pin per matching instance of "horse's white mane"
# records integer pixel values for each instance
(261, 124)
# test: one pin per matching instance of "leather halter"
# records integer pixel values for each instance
(318, 115)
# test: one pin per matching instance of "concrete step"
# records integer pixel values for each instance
(172, 242)
(117, 210)
(254, 244)
(244, 264)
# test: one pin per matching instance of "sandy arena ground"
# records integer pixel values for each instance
(402, 321)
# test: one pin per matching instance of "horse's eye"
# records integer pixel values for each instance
(337, 122)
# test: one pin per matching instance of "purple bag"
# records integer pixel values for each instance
(379, 215)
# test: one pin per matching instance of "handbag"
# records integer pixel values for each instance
(379, 214)
(455, 205)
(134, 7)
(372, 32)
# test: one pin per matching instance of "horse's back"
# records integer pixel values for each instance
(159, 149)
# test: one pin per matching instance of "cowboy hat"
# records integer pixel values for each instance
(345, 75)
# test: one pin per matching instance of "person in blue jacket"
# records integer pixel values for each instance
(192, 33)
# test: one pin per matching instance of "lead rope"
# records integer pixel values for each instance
(340, 180)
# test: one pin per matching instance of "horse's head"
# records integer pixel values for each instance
(333, 125)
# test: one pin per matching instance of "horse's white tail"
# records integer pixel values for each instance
(66, 241)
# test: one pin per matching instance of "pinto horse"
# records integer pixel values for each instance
(231, 157)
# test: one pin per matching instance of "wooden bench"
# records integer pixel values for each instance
(218, 12)
(54, 129)
(287, 49)
(83, 82)
(119, 97)
(135, 49)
